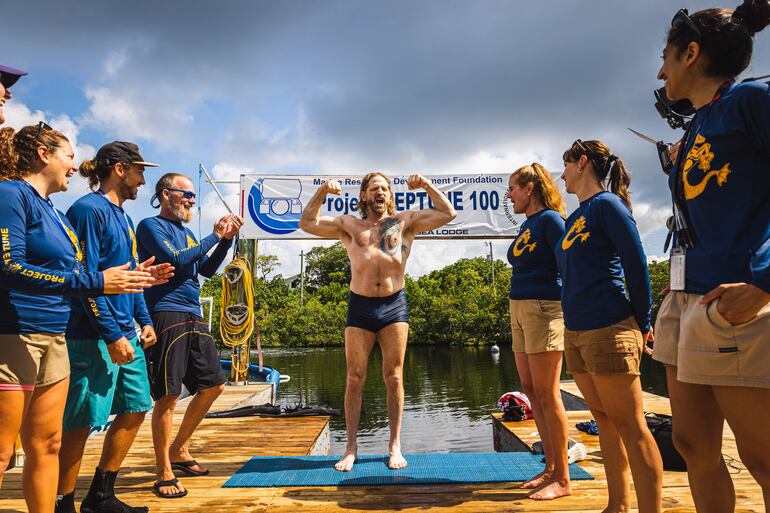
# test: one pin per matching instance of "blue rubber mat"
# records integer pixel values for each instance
(491, 467)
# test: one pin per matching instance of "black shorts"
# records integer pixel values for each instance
(374, 313)
(185, 354)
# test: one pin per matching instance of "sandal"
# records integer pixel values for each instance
(169, 482)
(186, 467)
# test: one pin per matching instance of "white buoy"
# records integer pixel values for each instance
(494, 349)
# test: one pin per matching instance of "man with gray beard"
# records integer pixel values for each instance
(185, 353)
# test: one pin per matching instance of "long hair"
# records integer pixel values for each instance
(545, 189)
(363, 207)
(18, 150)
(606, 167)
(725, 36)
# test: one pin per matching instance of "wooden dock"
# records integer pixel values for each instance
(224, 445)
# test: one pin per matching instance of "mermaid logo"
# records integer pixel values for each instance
(575, 232)
(701, 154)
(521, 244)
(274, 204)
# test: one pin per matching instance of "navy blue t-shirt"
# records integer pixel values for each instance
(39, 263)
(601, 242)
(727, 190)
(170, 242)
(531, 255)
(107, 238)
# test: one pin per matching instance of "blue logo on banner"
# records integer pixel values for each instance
(274, 204)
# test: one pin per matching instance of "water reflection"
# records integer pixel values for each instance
(449, 394)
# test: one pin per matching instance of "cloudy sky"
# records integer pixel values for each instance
(345, 87)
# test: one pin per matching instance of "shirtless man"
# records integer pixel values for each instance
(378, 246)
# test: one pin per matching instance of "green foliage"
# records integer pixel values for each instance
(327, 265)
(456, 305)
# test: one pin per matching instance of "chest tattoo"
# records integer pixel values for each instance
(389, 236)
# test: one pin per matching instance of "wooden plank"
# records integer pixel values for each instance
(225, 444)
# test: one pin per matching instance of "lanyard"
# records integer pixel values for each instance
(131, 238)
(52, 212)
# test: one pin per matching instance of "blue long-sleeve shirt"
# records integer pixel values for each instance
(39, 263)
(107, 239)
(600, 247)
(173, 243)
(726, 190)
(531, 255)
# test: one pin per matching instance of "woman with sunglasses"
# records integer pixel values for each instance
(41, 264)
(714, 324)
(607, 320)
(537, 324)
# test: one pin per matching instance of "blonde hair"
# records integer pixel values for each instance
(363, 207)
(545, 188)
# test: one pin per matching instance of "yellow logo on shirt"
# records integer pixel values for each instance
(190, 242)
(133, 244)
(521, 244)
(576, 232)
(701, 154)
(75, 243)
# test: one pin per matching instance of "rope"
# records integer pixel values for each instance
(236, 321)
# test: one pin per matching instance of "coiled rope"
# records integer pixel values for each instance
(236, 321)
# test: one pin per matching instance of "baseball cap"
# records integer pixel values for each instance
(122, 151)
(9, 75)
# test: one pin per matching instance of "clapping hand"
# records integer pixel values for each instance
(161, 273)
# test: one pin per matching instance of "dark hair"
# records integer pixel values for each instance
(725, 36)
(97, 170)
(603, 164)
(363, 207)
(18, 150)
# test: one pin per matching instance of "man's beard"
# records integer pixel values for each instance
(372, 205)
(126, 191)
(182, 214)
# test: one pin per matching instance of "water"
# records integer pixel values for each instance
(449, 393)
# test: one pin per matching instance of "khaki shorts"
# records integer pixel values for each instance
(537, 325)
(706, 348)
(30, 360)
(616, 349)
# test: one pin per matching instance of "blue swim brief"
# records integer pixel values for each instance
(100, 388)
(374, 313)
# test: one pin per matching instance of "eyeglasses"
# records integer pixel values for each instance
(42, 125)
(682, 19)
(187, 194)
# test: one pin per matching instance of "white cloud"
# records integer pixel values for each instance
(19, 115)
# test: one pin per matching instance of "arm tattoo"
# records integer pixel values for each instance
(390, 236)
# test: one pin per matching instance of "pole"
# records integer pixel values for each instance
(492, 262)
(302, 278)
(214, 186)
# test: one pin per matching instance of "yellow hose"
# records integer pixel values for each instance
(237, 294)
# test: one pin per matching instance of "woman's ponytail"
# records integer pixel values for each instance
(8, 158)
(619, 179)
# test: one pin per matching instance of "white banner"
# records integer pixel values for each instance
(272, 205)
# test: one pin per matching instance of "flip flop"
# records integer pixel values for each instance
(169, 482)
(186, 467)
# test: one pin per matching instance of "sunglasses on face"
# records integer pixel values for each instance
(188, 195)
(682, 19)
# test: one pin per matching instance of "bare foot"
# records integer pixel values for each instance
(396, 460)
(182, 455)
(551, 489)
(168, 490)
(538, 480)
(346, 462)
(618, 509)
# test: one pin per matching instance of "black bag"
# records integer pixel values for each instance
(661, 426)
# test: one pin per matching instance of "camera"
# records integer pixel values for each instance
(677, 113)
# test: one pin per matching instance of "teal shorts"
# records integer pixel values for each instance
(100, 388)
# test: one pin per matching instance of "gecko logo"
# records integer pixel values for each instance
(274, 204)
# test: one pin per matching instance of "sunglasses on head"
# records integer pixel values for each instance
(682, 19)
(584, 151)
(42, 125)
(187, 194)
